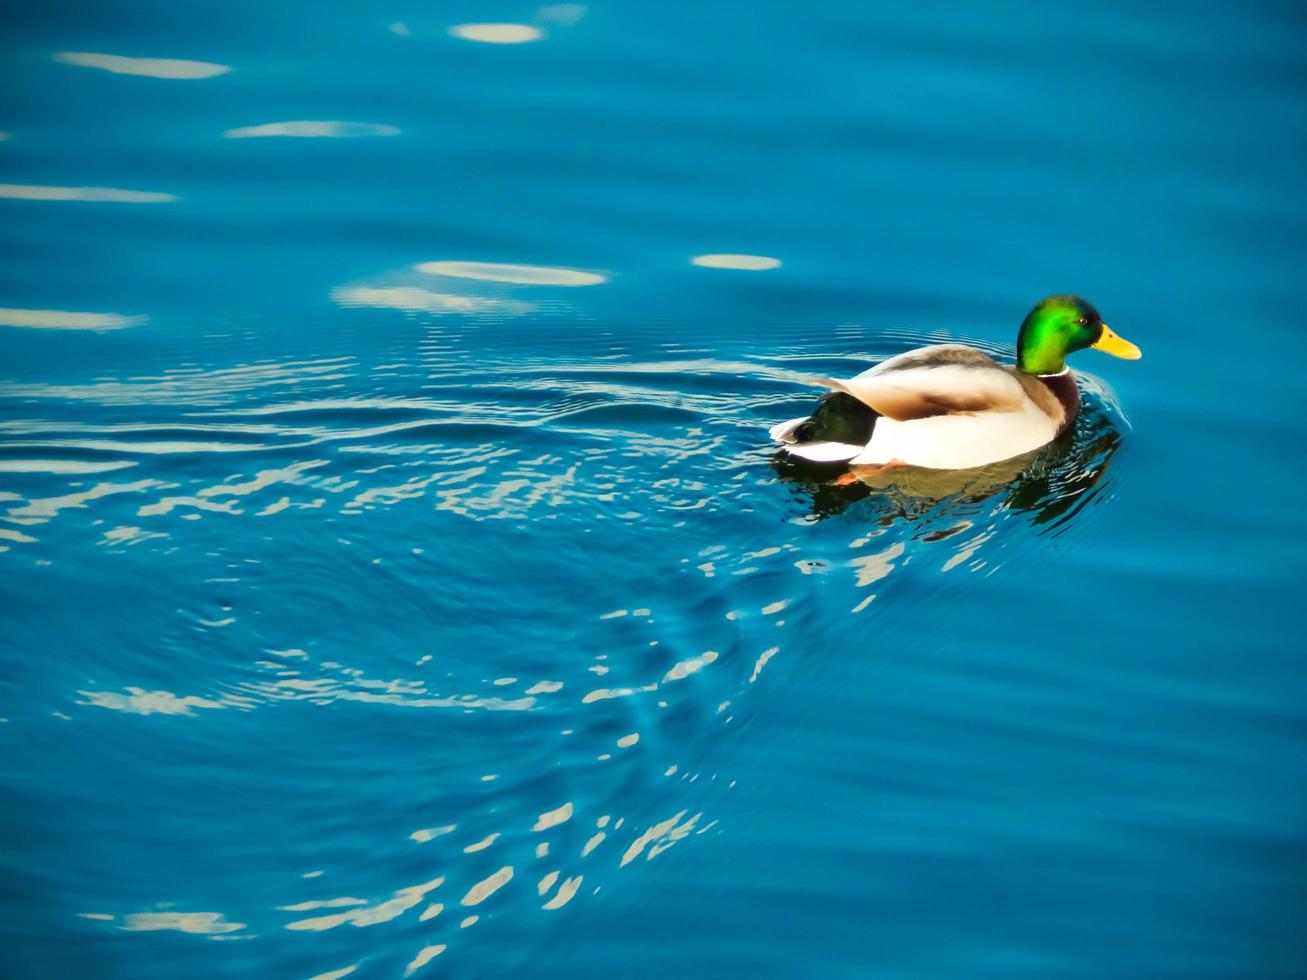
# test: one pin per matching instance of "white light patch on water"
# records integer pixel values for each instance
(626, 741)
(413, 299)
(967, 549)
(335, 974)
(196, 923)
(116, 195)
(126, 535)
(691, 666)
(872, 568)
(425, 955)
(280, 504)
(393, 907)
(762, 662)
(312, 129)
(544, 687)
(554, 817)
(661, 836)
(481, 845)
(159, 448)
(747, 263)
(3, 136)
(174, 68)
(166, 505)
(482, 890)
(262, 480)
(497, 33)
(399, 28)
(653, 833)
(138, 701)
(564, 894)
(604, 694)
(66, 320)
(38, 511)
(522, 275)
(61, 466)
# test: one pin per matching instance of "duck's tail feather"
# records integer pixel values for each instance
(836, 432)
(786, 432)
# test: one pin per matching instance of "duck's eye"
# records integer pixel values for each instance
(1083, 321)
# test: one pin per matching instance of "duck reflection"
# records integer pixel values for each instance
(1050, 483)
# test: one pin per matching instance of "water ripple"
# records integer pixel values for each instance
(617, 698)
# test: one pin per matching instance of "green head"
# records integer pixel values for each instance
(1062, 324)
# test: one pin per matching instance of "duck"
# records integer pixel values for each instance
(952, 407)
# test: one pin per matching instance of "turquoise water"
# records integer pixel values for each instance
(396, 575)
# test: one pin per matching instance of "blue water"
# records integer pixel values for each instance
(363, 619)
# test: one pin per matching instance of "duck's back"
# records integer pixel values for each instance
(934, 356)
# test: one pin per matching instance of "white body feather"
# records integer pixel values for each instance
(958, 442)
(814, 452)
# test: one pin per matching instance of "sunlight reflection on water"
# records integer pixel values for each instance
(413, 589)
(149, 67)
(117, 195)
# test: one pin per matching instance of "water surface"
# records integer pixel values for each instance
(397, 578)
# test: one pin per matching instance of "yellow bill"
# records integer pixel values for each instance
(1116, 346)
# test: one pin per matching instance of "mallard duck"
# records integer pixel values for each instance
(952, 407)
